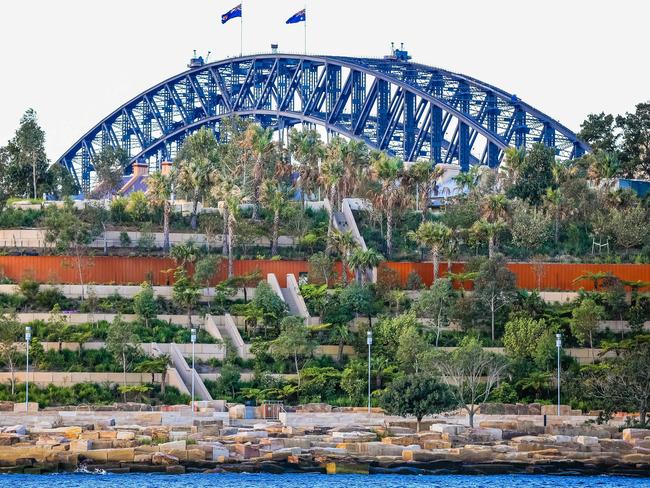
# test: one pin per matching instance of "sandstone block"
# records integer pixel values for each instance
(175, 469)
(498, 424)
(432, 455)
(195, 455)
(637, 458)
(346, 468)
(125, 435)
(630, 434)
(168, 446)
(586, 440)
(142, 458)
(435, 444)
(120, 455)
(81, 445)
(447, 428)
(162, 459)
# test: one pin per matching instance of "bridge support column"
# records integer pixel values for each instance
(409, 123)
(492, 113)
(436, 134)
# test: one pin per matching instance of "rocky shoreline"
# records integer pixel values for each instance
(331, 442)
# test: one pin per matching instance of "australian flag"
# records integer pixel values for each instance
(231, 14)
(298, 17)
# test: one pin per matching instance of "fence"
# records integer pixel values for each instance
(135, 270)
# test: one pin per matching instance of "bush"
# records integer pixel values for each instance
(125, 240)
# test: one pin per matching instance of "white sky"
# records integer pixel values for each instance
(75, 61)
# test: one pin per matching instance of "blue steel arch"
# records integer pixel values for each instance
(408, 109)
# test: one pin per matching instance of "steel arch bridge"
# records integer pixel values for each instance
(414, 111)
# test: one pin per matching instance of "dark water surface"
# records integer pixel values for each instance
(313, 481)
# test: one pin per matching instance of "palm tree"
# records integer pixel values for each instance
(390, 194)
(555, 204)
(422, 178)
(159, 191)
(361, 262)
(488, 230)
(468, 180)
(604, 168)
(307, 148)
(259, 142)
(513, 160)
(195, 161)
(344, 243)
(275, 196)
(185, 253)
(331, 174)
(343, 333)
(432, 235)
(155, 365)
(355, 157)
(495, 207)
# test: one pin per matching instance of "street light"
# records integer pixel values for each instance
(28, 338)
(369, 342)
(193, 339)
(558, 344)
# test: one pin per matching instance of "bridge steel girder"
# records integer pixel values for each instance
(411, 110)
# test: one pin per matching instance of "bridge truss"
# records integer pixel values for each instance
(413, 111)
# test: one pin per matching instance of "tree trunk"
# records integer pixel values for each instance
(34, 175)
(231, 228)
(389, 232)
(163, 380)
(13, 379)
(166, 211)
(643, 416)
(492, 318)
(276, 225)
(557, 228)
(124, 371)
(436, 264)
(295, 360)
(419, 421)
(195, 209)
(339, 355)
(491, 247)
(189, 315)
(224, 238)
(332, 210)
(471, 413)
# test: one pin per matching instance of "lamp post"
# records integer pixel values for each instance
(28, 338)
(369, 342)
(193, 339)
(558, 344)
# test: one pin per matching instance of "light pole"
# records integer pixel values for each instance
(28, 337)
(369, 342)
(558, 344)
(193, 339)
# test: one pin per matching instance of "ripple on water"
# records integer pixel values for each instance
(86, 480)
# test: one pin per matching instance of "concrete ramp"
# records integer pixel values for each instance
(186, 373)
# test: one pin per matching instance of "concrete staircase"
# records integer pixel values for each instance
(186, 373)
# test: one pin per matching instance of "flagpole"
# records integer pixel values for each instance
(305, 27)
(241, 31)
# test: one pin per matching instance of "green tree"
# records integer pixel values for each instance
(530, 228)
(159, 191)
(69, 233)
(434, 236)
(417, 395)
(359, 300)
(471, 372)
(275, 195)
(332, 172)
(628, 226)
(585, 319)
(635, 148)
(10, 335)
(361, 262)
(599, 131)
(123, 343)
(495, 287)
(523, 335)
(23, 160)
(624, 381)
(436, 304)
(144, 303)
(258, 142)
(271, 305)
(535, 175)
(195, 162)
(410, 348)
(153, 366)
(109, 165)
(307, 148)
(342, 333)
(293, 342)
(388, 195)
(345, 244)
(321, 268)
(185, 292)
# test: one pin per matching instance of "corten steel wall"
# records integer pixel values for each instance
(134, 270)
(127, 270)
(546, 276)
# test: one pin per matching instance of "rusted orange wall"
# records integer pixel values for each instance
(134, 270)
(549, 276)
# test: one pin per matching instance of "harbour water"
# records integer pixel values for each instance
(314, 481)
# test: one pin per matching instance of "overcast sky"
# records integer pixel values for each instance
(75, 61)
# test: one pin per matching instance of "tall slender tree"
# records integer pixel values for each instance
(159, 191)
(307, 148)
(435, 236)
